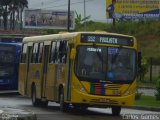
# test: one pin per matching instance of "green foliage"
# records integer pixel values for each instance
(96, 26)
(136, 28)
(51, 31)
(146, 84)
(79, 21)
(158, 84)
(123, 27)
(92, 26)
(9, 7)
(143, 70)
(148, 101)
(138, 96)
(158, 90)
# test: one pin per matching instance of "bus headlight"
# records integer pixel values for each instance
(79, 88)
(130, 91)
(82, 89)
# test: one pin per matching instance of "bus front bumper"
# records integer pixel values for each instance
(102, 101)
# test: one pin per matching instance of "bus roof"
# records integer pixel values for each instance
(49, 37)
(66, 36)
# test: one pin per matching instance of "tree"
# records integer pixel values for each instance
(0, 12)
(22, 4)
(144, 69)
(4, 7)
(79, 20)
(17, 6)
(11, 7)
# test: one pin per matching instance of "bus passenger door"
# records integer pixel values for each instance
(29, 50)
(69, 75)
(44, 71)
(23, 68)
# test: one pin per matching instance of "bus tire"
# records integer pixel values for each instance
(116, 110)
(35, 101)
(63, 105)
(44, 103)
(80, 107)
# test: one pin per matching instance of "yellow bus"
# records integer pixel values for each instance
(79, 69)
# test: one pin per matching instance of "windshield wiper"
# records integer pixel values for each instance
(98, 54)
(116, 55)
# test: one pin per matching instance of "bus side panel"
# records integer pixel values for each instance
(35, 77)
(21, 79)
(51, 82)
(55, 78)
(60, 78)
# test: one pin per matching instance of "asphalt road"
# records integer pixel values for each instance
(52, 112)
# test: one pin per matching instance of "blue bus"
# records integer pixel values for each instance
(9, 64)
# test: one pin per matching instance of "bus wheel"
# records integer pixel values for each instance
(44, 103)
(63, 105)
(116, 110)
(80, 107)
(35, 101)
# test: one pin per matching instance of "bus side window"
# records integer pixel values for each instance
(53, 53)
(58, 52)
(35, 53)
(24, 53)
(57, 60)
(40, 52)
(63, 51)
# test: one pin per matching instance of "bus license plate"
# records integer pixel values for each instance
(104, 100)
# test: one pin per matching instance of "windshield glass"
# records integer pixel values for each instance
(7, 54)
(7, 59)
(105, 63)
(6, 70)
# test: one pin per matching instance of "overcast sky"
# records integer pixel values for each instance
(94, 8)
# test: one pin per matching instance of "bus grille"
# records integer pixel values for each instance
(113, 87)
(101, 88)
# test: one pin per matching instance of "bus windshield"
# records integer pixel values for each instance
(7, 59)
(114, 64)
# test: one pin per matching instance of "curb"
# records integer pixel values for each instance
(8, 113)
(9, 92)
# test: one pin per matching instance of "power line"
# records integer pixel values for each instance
(70, 4)
(50, 3)
(35, 2)
(54, 1)
(40, 2)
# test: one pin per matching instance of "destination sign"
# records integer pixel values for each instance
(107, 39)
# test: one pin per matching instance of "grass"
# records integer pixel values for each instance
(146, 84)
(147, 101)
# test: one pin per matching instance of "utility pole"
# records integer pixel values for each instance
(68, 23)
(84, 15)
(151, 62)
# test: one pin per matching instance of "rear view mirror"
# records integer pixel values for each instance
(73, 54)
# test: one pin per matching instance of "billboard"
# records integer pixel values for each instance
(133, 9)
(50, 19)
